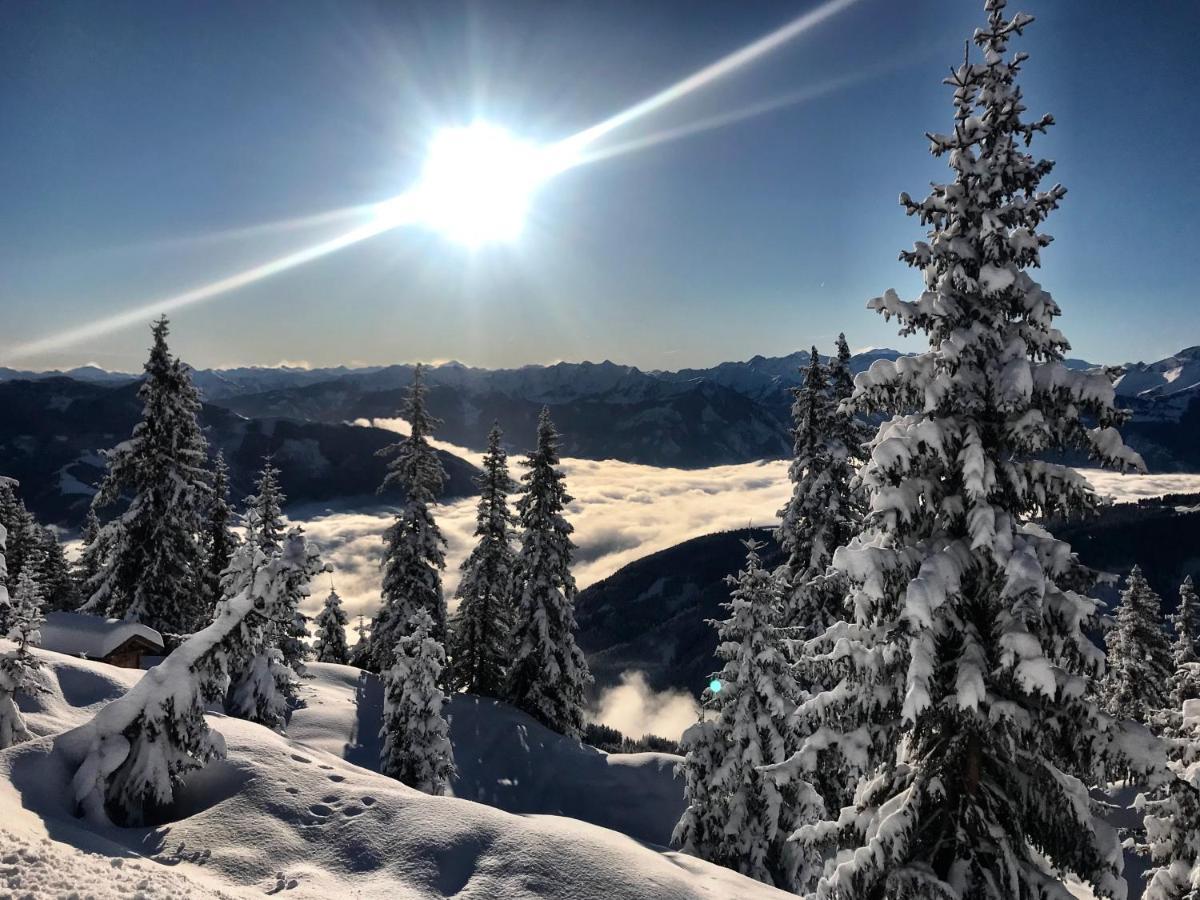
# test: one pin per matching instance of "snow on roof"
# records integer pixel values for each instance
(78, 634)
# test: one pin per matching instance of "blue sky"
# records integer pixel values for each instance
(141, 139)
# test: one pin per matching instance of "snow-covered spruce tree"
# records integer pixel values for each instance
(264, 509)
(416, 737)
(131, 756)
(4, 598)
(27, 592)
(20, 525)
(360, 653)
(479, 639)
(413, 555)
(549, 672)
(152, 549)
(261, 683)
(1185, 683)
(825, 509)
(22, 613)
(740, 817)
(1172, 823)
(330, 643)
(291, 636)
(960, 684)
(266, 527)
(55, 573)
(218, 539)
(700, 831)
(91, 557)
(1138, 681)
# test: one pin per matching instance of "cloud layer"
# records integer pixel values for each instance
(635, 710)
(621, 511)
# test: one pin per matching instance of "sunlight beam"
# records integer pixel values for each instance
(388, 215)
(710, 73)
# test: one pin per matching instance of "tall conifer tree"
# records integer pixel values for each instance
(737, 815)
(549, 672)
(413, 555)
(19, 524)
(22, 617)
(154, 565)
(962, 682)
(480, 637)
(88, 563)
(219, 540)
(268, 529)
(1138, 681)
(59, 586)
(1185, 653)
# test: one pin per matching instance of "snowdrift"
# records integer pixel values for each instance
(505, 758)
(282, 815)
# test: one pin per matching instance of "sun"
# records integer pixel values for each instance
(478, 182)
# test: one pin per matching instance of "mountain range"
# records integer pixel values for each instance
(52, 429)
(734, 412)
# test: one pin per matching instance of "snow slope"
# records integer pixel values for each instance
(1173, 375)
(505, 759)
(283, 816)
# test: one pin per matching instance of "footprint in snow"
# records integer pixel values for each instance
(283, 884)
(367, 801)
(298, 758)
(320, 810)
(338, 778)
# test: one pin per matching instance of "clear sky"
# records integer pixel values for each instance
(143, 142)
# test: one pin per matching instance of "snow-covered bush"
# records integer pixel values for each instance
(479, 638)
(416, 737)
(961, 684)
(738, 815)
(330, 642)
(413, 554)
(133, 753)
(549, 672)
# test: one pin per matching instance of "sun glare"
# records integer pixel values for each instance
(478, 181)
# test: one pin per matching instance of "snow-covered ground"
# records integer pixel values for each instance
(295, 815)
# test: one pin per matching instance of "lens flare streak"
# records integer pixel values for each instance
(389, 215)
(710, 73)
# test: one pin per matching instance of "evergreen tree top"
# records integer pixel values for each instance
(264, 508)
(416, 468)
(545, 496)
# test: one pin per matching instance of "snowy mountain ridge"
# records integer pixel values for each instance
(1174, 375)
(563, 381)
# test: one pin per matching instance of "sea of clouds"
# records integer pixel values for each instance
(621, 511)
